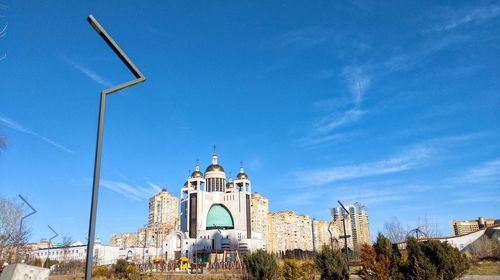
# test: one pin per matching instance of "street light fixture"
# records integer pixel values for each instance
(100, 126)
(49, 245)
(345, 236)
(22, 219)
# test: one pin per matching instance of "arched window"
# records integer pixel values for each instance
(219, 217)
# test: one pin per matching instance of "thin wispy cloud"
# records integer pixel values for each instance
(155, 187)
(486, 173)
(381, 193)
(137, 193)
(4, 121)
(91, 74)
(373, 193)
(357, 81)
(406, 160)
(320, 141)
(335, 121)
(307, 37)
(469, 16)
(340, 112)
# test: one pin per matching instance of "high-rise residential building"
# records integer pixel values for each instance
(464, 227)
(259, 208)
(288, 230)
(163, 209)
(357, 221)
(163, 218)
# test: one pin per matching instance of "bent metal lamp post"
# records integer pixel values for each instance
(345, 236)
(100, 126)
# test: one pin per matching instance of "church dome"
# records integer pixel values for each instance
(214, 168)
(242, 176)
(229, 185)
(197, 174)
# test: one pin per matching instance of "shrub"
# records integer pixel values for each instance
(373, 266)
(100, 271)
(383, 246)
(120, 268)
(331, 264)
(131, 269)
(292, 270)
(260, 265)
(309, 270)
(449, 262)
(434, 260)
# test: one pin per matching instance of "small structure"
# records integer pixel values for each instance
(24, 271)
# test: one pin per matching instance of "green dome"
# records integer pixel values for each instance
(219, 218)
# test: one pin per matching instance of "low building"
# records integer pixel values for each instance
(468, 226)
(103, 254)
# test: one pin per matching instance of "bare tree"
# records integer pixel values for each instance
(11, 236)
(3, 143)
(3, 28)
(484, 247)
(66, 242)
(395, 231)
(430, 228)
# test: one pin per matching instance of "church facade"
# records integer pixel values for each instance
(215, 215)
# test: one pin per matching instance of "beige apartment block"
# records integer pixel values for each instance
(124, 240)
(163, 209)
(259, 207)
(163, 218)
(288, 230)
(321, 235)
(464, 227)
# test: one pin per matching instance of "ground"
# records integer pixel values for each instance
(485, 268)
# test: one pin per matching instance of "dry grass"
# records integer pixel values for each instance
(162, 276)
(484, 268)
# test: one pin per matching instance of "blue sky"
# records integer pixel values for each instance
(394, 105)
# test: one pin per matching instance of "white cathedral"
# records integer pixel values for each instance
(215, 215)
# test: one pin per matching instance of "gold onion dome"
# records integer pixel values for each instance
(197, 174)
(214, 168)
(242, 176)
(229, 185)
